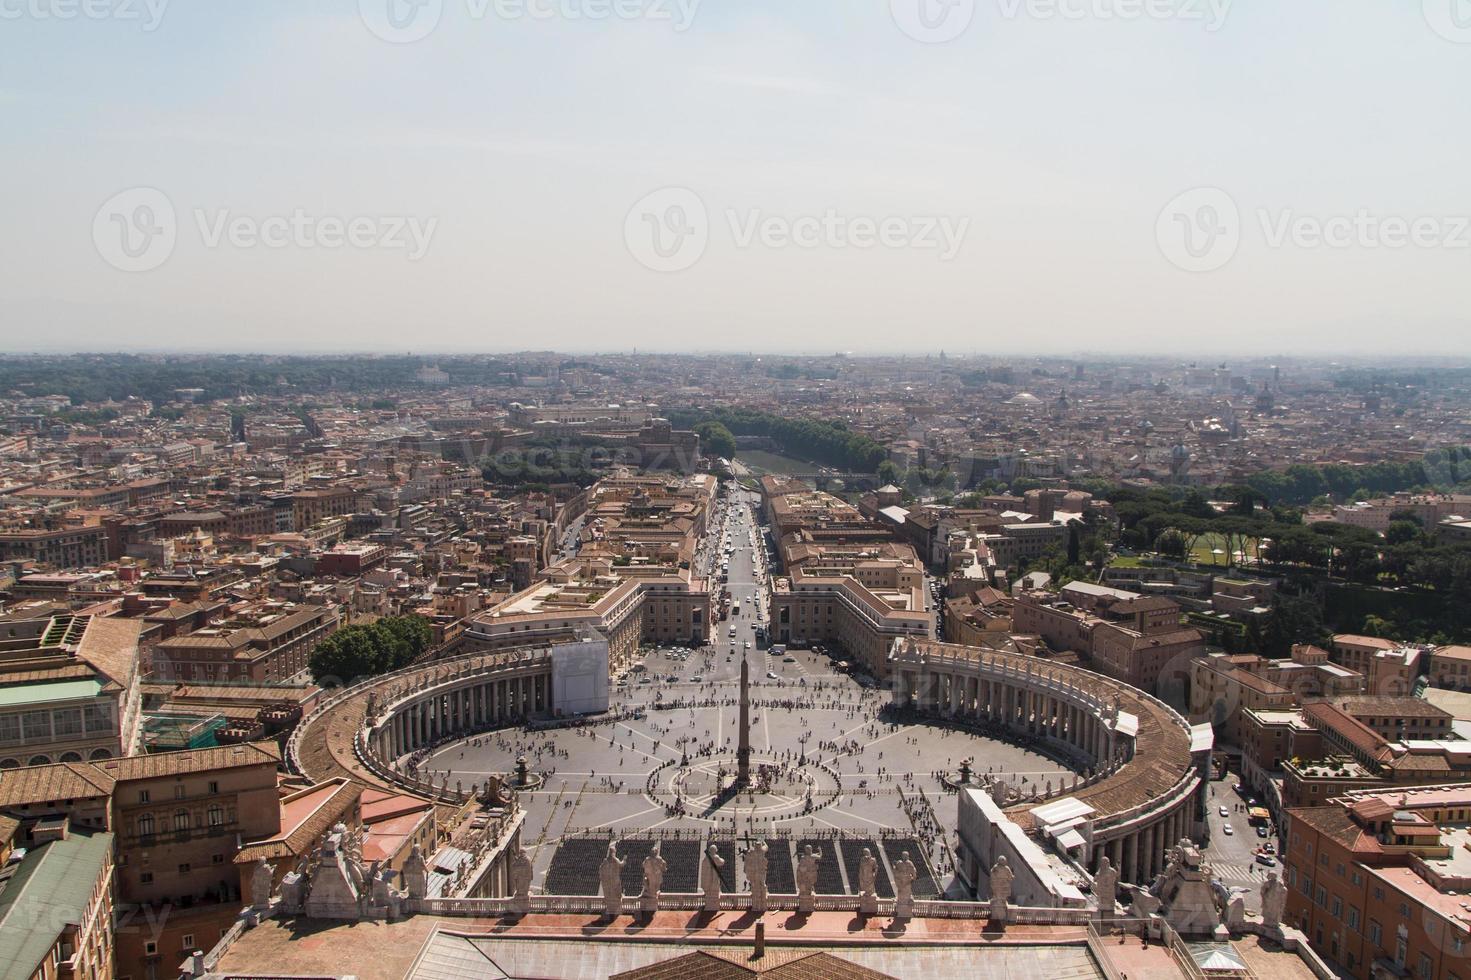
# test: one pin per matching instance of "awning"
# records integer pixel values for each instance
(1070, 839)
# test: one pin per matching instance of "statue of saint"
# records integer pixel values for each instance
(904, 874)
(1001, 878)
(1274, 899)
(610, 873)
(261, 884)
(710, 882)
(868, 869)
(756, 876)
(1106, 885)
(654, 868)
(807, 871)
(520, 874)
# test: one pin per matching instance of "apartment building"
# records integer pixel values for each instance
(1223, 687)
(1136, 639)
(1388, 667)
(64, 547)
(1371, 742)
(265, 642)
(180, 818)
(1450, 667)
(1377, 881)
(56, 906)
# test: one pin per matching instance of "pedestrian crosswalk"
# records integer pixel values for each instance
(1239, 873)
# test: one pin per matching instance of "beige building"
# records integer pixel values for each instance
(629, 606)
(68, 689)
(269, 642)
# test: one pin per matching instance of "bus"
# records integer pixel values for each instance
(735, 608)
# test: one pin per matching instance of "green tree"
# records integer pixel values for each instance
(716, 439)
(352, 652)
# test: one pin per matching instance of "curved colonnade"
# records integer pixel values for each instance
(361, 731)
(1151, 767)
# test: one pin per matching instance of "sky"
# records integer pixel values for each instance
(1009, 176)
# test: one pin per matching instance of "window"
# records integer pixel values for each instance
(181, 820)
(150, 948)
(67, 721)
(1423, 968)
(145, 877)
(1353, 918)
(188, 941)
(1336, 910)
(216, 816)
(214, 788)
(184, 869)
(179, 791)
(1404, 910)
(143, 796)
(216, 859)
(145, 825)
(1375, 933)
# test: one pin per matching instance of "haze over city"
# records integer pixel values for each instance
(1056, 141)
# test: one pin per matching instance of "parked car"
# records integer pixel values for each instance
(1266, 859)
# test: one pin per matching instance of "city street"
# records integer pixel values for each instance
(1233, 856)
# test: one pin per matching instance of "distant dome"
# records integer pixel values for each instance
(1025, 398)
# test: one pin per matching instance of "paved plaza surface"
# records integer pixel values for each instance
(868, 775)
(825, 755)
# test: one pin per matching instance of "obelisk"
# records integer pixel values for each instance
(743, 753)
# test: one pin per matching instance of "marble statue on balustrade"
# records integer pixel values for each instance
(416, 875)
(383, 896)
(1187, 893)
(756, 877)
(710, 882)
(521, 873)
(1274, 901)
(1106, 887)
(610, 874)
(261, 877)
(868, 870)
(807, 879)
(905, 874)
(654, 868)
(334, 889)
(1001, 882)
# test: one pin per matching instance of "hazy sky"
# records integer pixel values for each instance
(1260, 175)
